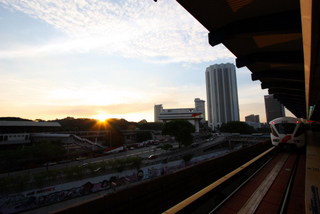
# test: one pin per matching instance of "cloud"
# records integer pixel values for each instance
(133, 29)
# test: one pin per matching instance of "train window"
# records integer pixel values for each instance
(301, 130)
(285, 128)
(273, 131)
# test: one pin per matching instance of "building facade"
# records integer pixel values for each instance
(190, 114)
(252, 118)
(222, 94)
(274, 108)
(200, 106)
(18, 133)
(157, 110)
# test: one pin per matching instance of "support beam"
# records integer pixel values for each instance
(285, 22)
(279, 74)
(285, 91)
(290, 96)
(285, 57)
(281, 84)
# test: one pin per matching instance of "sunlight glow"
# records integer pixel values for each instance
(102, 117)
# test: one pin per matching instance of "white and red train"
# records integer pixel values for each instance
(288, 132)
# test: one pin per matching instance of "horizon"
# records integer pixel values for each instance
(104, 120)
(109, 59)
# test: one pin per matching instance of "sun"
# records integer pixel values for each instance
(102, 117)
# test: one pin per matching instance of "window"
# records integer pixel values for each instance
(301, 130)
(285, 128)
(273, 132)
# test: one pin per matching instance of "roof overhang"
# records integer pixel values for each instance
(278, 41)
(29, 124)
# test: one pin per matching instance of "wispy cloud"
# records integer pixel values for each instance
(115, 57)
(133, 29)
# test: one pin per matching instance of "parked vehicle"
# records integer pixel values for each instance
(80, 158)
(194, 144)
(152, 157)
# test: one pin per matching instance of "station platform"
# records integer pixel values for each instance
(312, 181)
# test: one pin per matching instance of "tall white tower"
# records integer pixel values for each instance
(222, 94)
(157, 110)
(200, 106)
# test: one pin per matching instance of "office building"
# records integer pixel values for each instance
(274, 108)
(157, 110)
(252, 118)
(222, 94)
(200, 106)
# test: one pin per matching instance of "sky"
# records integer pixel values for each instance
(108, 59)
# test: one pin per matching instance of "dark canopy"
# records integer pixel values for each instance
(278, 41)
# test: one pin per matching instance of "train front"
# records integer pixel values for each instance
(288, 133)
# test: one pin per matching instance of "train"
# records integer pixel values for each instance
(288, 132)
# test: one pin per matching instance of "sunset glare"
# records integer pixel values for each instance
(85, 58)
(102, 117)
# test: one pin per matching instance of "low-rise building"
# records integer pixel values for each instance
(190, 114)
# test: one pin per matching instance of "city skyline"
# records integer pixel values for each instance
(113, 59)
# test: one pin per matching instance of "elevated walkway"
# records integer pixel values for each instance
(85, 142)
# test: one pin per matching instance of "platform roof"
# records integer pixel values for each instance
(278, 41)
(29, 124)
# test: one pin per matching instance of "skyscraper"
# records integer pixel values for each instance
(274, 108)
(222, 94)
(199, 104)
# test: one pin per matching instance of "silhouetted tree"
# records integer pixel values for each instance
(48, 150)
(237, 127)
(143, 135)
(187, 158)
(166, 146)
(181, 129)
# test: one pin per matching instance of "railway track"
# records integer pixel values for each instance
(262, 185)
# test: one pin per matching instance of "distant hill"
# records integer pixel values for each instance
(13, 119)
(86, 124)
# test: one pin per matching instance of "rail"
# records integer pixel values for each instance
(182, 205)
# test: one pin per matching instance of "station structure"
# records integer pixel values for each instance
(279, 42)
